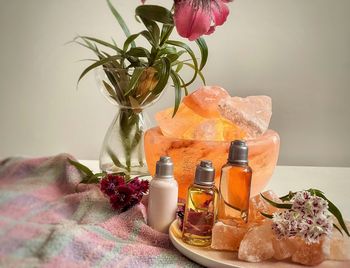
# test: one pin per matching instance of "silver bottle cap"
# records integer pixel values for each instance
(238, 152)
(165, 167)
(205, 173)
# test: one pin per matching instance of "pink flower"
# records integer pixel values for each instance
(194, 18)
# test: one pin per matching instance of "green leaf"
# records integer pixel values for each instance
(134, 79)
(177, 86)
(138, 52)
(190, 52)
(277, 205)
(130, 40)
(120, 20)
(155, 13)
(110, 90)
(182, 84)
(115, 159)
(179, 66)
(288, 197)
(332, 208)
(266, 215)
(97, 64)
(81, 167)
(336, 227)
(204, 52)
(104, 43)
(153, 30)
(199, 72)
(166, 32)
(163, 76)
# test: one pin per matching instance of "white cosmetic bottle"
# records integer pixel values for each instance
(163, 192)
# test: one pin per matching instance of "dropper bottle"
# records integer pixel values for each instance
(163, 192)
(200, 211)
(235, 183)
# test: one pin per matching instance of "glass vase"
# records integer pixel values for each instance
(123, 149)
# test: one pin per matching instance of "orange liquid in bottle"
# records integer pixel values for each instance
(234, 195)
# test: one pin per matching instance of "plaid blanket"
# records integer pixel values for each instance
(48, 220)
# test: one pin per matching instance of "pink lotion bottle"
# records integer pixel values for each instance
(163, 193)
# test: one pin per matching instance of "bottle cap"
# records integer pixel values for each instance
(205, 173)
(238, 152)
(165, 167)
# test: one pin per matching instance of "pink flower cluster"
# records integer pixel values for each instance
(123, 195)
(308, 218)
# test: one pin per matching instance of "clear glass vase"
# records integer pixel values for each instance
(123, 147)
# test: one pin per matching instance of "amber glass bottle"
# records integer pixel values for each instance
(201, 204)
(235, 183)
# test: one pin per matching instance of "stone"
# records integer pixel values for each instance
(256, 245)
(311, 254)
(204, 101)
(257, 204)
(283, 248)
(340, 246)
(188, 125)
(252, 114)
(176, 126)
(227, 236)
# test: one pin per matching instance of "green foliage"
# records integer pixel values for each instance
(89, 177)
(140, 73)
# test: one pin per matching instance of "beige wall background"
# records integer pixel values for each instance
(296, 51)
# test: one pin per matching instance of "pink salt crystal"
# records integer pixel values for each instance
(227, 236)
(340, 246)
(257, 204)
(284, 248)
(256, 245)
(311, 254)
(204, 101)
(251, 114)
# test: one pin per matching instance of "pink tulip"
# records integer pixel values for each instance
(194, 18)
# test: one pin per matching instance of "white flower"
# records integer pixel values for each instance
(308, 218)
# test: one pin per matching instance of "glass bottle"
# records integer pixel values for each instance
(200, 211)
(235, 183)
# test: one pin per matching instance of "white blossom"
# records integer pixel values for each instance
(308, 218)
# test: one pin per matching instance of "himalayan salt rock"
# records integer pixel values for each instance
(251, 114)
(257, 204)
(284, 248)
(204, 101)
(213, 130)
(256, 245)
(227, 236)
(311, 254)
(190, 126)
(340, 246)
(176, 126)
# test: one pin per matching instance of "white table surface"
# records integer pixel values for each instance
(333, 181)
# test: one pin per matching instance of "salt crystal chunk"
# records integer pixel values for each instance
(227, 236)
(257, 204)
(284, 248)
(340, 246)
(256, 245)
(311, 254)
(204, 101)
(251, 114)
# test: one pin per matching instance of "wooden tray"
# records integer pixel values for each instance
(223, 259)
